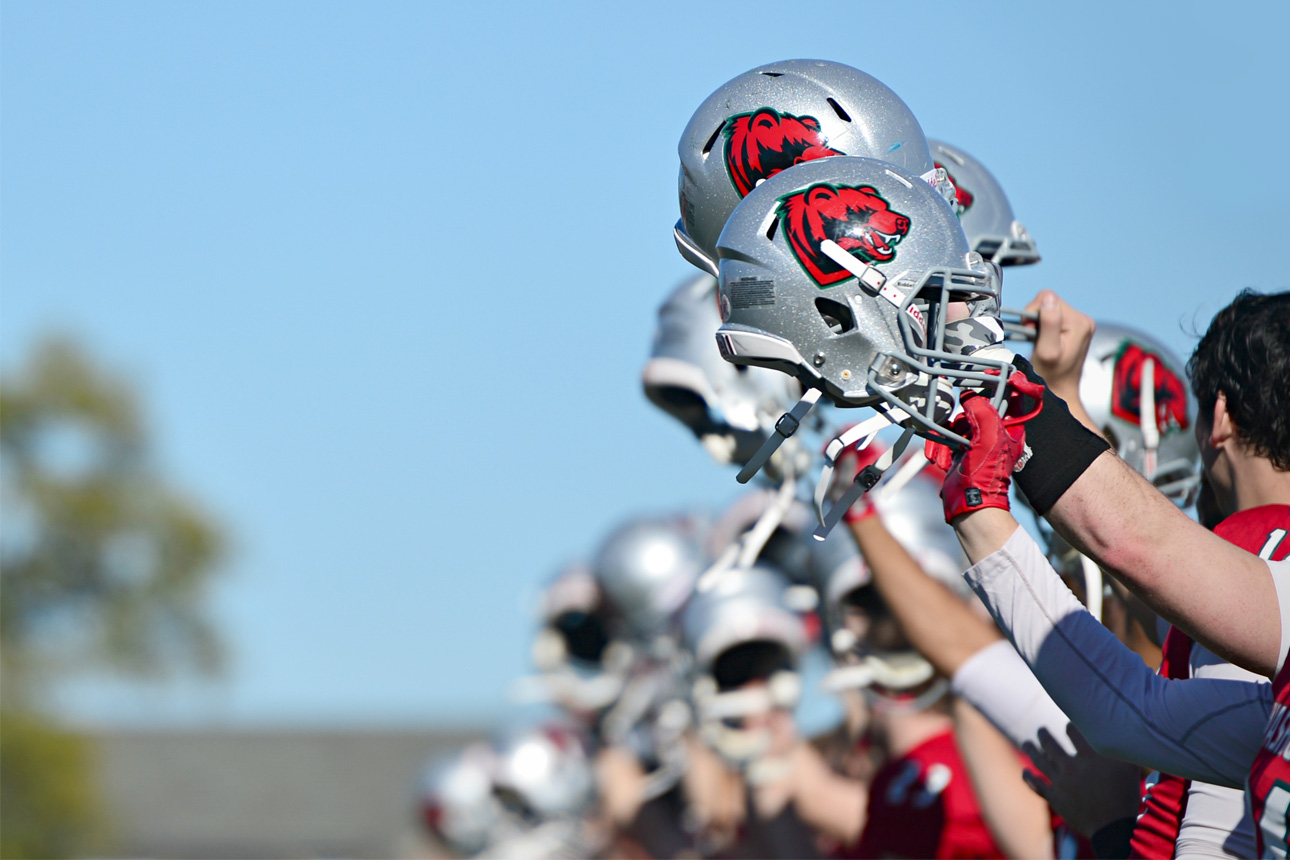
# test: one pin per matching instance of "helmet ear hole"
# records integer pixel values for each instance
(712, 141)
(836, 315)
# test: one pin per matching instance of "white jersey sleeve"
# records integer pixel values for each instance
(1207, 729)
(999, 684)
(1281, 579)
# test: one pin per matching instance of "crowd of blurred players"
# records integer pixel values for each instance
(674, 652)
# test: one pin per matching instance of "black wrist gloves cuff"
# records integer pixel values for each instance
(1061, 448)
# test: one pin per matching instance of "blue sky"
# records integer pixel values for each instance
(385, 274)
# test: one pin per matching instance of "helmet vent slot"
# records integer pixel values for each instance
(837, 109)
(773, 74)
(772, 229)
(712, 141)
(836, 315)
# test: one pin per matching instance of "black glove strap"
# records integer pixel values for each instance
(1061, 448)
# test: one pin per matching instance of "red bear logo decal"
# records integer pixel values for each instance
(1126, 389)
(857, 218)
(764, 142)
(963, 199)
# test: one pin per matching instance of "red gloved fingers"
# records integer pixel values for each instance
(1025, 399)
(980, 476)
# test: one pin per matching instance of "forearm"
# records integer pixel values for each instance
(1205, 729)
(1189, 576)
(999, 684)
(829, 802)
(936, 621)
(1016, 816)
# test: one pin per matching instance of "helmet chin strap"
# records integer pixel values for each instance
(1147, 418)
(744, 550)
(785, 427)
(864, 480)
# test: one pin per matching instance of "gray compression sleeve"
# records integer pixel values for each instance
(1200, 728)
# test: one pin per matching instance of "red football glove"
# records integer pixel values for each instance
(849, 464)
(980, 476)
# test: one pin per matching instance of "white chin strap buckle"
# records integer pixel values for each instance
(865, 480)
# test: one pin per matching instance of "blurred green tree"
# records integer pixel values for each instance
(102, 566)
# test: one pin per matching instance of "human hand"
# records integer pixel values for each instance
(1088, 790)
(980, 476)
(1061, 344)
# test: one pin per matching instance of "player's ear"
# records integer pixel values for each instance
(1222, 427)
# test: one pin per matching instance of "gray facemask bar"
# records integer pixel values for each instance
(692, 253)
(1014, 324)
(785, 427)
(972, 281)
(1017, 249)
(939, 363)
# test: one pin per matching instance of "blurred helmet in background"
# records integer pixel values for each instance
(983, 209)
(646, 569)
(544, 771)
(456, 799)
(1135, 389)
(730, 409)
(579, 666)
(891, 673)
(746, 642)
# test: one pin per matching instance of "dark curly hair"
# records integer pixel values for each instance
(1245, 356)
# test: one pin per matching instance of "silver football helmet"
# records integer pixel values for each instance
(912, 513)
(1135, 389)
(842, 272)
(545, 770)
(746, 642)
(646, 569)
(579, 666)
(730, 409)
(778, 115)
(544, 779)
(983, 209)
(456, 800)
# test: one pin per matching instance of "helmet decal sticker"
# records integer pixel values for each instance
(963, 199)
(1126, 389)
(763, 142)
(857, 218)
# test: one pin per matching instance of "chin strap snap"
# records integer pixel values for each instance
(864, 480)
(785, 427)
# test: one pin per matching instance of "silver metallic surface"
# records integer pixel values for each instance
(743, 606)
(730, 409)
(856, 115)
(1176, 469)
(456, 799)
(992, 229)
(646, 569)
(548, 768)
(776, 309)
